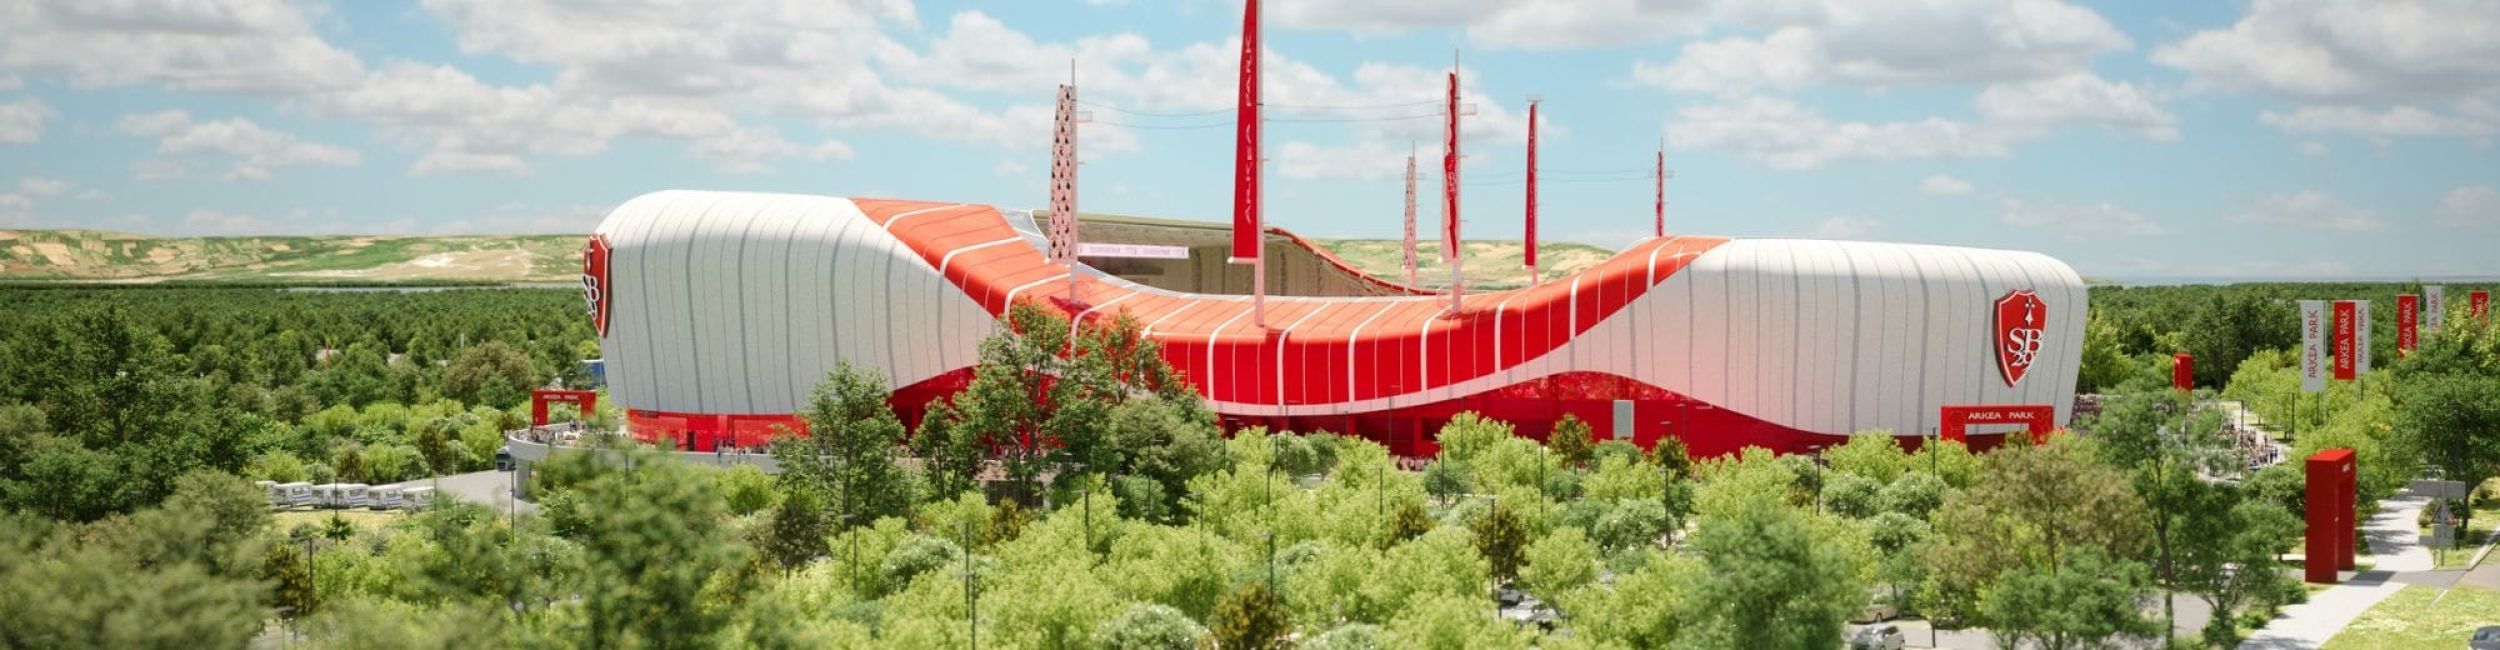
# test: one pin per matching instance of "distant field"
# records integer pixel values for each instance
(1489, 264)
(113, 257)
(100, 256)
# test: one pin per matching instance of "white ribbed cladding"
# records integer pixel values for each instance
(740, 302)
(1831, 337)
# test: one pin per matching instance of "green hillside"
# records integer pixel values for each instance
(101, 256)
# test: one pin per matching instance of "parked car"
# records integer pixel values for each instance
(1877, 637)
(2487, 638)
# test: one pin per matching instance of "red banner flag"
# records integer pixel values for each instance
(2478, 304)
(1246, 222)
(1449, 178)
(1661, 226)
(1531, 252)
(2408, 320)
(2346, 340)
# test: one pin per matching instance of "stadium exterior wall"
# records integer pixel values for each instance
(721, 311)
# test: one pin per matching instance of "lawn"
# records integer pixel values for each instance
(286, 520)
(2410, 620)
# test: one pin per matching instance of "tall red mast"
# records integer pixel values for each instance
(1249, 244)
(1449, 194)
(1530, 255)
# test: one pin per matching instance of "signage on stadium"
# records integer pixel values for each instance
(2021, 322)
(1137, 251)
(595, 282)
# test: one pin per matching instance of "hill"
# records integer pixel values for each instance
(1491, 264)
(102, 256)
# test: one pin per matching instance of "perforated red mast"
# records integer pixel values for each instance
(1449, 193)
(1063, 183)
(1660, 228)
(1530, 255)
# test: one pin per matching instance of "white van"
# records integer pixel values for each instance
(294, 495)
(385, 498)
(352, 495)
(416, 497)
(277, 497)
(326, 495)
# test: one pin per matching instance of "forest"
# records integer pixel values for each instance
(1102, 508)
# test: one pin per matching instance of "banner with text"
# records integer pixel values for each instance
(2408, 315)
(2434, 307)
(2362, 357)
(2312, 346)
(2345, 345)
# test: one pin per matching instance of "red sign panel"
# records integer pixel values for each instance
(2347, 339)
(2408, 322)
(1956, 419)
(2021, 322)
(595, 282)
(2183, 371)
(2478, 304)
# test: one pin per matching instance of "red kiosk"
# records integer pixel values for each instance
(2332, 529)
(2183, 372)
(2038, 419)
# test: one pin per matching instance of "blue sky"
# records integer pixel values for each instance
(2280, 139)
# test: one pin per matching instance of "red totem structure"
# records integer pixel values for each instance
(2332, 529)
(587, 400)
(2183, 372)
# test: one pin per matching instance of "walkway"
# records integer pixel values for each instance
(2397, 553)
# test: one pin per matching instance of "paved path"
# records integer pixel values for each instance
(2399, 559)
(487, 488)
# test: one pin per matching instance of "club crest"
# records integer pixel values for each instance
(2021, 322)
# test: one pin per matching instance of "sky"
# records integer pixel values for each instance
(2133, 139)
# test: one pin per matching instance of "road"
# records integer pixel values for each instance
(489, 488)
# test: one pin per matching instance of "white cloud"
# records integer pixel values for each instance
(1526, 24)
(2471, 207)
(2102, 220)
(227, 46)
(2342, 50)
(255, 151)
(211, 222)
(2078, 97)
(21, 122)
(470, 126)
(1845, 227)
(1883, 44)
(2473, 118)
(18, 207)
(41, 187)
(1788, 135)
(11, 82)
(1944, 184)
(1365, 161)
(831, 150)
(2312, 210)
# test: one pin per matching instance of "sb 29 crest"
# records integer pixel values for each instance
(595, 282)
(2022, 320)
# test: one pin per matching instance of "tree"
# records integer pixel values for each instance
(1250, 618)
(2229, 327)
(180, 575)
(796, 534)
(1669, 453)
(2028, 505)
(1874, 455)
(2232, 565)
(2105, 363)
(1572, 440)
(1445, 479)
(1560, 562)
(2082, 601)
(650, 543)
(847, 455)
(1771, 582)
(1409, 521)
(2455, 420)
(1503, 539)
(467, 376)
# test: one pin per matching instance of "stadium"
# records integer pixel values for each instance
(719, 312)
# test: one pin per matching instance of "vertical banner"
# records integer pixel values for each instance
(1449, 177)
(1660, 227)
(2478, 304)
(1410, 215)
(2345, 345)
(1530, 254)
(2362, 356)
(2408, 317)
(2312, 346)
(2434, 308)
(1246, 147)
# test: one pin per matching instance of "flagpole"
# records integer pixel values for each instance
(1534, 278)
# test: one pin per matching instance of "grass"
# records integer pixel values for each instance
(286, 520)
(2410, 620)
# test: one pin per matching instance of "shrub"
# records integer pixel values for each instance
(1250, 618)
(1148, 626)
